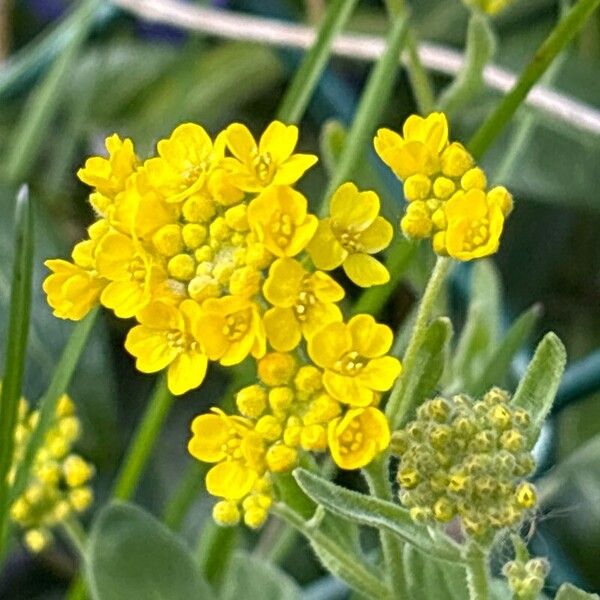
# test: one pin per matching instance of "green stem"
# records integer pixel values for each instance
(143, 441)
(420, 81)
(15, 353)
(299, 92)
(373, 99)
(190, 487)
(364, 579)
(395, 408)
(560, 36)
(477, 573)
(377, 477)
(76, 535)
(215, 549)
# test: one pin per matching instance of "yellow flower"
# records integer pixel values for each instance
(108, 175)
(350, 235)
(166, 338)
(132, 273)
(230, 328)
(418, 150)
(280, 220)
(270, 162)
(303, 302)
(352, 355)
(183, 164)
(474, 226)
(491, 7)
(237, 450)
(356, 438)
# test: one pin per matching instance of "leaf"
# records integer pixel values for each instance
(482, 326)
(428, 578)
(570, 592)
(421, 381)
(495, 370)
(480, 47)
(251, 578)
(132, 555)
(538, 387)
(367, 510)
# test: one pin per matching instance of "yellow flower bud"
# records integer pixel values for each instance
(512, 440)
(193, 235)
(525, 495)
(81, 498)
(269, 428)
(474, 179)
(77, 471)
(281, 458)
(236, 217)
(226, 513)
(251, 401)
(416, 224)
(456, 161)
(443, 510)
(255, 517)
(280, 399)
(443, 188)
(65, 406)
(408, 477)
(502, 198)
(417, 187)
(37, 539)
(198, 209)
(245, 281)
(308, 379)
(202, 287)
(276, 368)
(167, 240)
(182, 267)
(314, 438)
(69, 428)
(439, 243)
(20, 510)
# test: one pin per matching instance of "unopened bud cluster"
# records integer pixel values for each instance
(526, 579)
(467, 459)
(58, 482)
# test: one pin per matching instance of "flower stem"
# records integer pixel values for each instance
(377, 477)
(143, 442)
(76, 535)
(477, 573)
(395, 406)
(419, 78)
(186, 493)
(559, 37)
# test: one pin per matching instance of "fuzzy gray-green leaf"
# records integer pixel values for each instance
(540, 383)
(570, 592)
(367, 510)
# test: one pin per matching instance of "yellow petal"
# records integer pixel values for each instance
(325, 288)
(125, 298)
(240, 142)
(187, 372)
(376, 236)
(365, 271)
(329, 344)
(369, 338)
(284, 282)
(380, 373)
(279, 140)
(293, 168)
(210, 434)
(318, 315)
(347, 389)
(324, 249)
(150, 348)
(230, 480)
(283, 330)
(353, 210)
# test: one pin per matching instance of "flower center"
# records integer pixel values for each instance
(282, 228)
(477, 234)
(263, 166)
(306, 300)
(350, 364)
(350, 240)
(180, 341)
(352, 438)
(137, 269)
(236, 325)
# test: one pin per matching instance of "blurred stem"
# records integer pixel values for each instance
(144, 441)
(373, 99)
(477, 573)
(394, 410)
(15, 352)
(307, 76)
(419, 78)
(377, 477)
(42, 105)
(559, 37)
(76, 534)
(214, 551)
(188, 490)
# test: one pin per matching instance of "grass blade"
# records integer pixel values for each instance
(16, 349)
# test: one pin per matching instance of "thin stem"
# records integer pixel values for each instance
(76, 535)
(419, 78)
(395, 406)
(363, 577)
(560, 36)
(300, 90)
(377, 478)
(373, 99)
(185, 495)
(143, 441)
(215, 549)
(477, 573)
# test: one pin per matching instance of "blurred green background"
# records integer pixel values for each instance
(141, 80)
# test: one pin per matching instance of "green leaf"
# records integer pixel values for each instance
(252, 578)
(428, 578)
(367, 510)
(132, 555)
(495, 369)
(305, 80)
(418, 384)
(481, 329)
(540, 383)
(16, 347)
(480, 47)
(215, 549)
(570, 592)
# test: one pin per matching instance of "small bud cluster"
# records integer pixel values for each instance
(58, 482)
(466, 459)
(526, 579)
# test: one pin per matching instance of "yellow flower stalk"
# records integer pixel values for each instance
(447, 193)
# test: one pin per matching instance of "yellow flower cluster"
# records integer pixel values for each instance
(329, 403)
(467, 459)
(526, 579)
(490, 7)
(447, 193)
(58, 484)
(202, 245)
